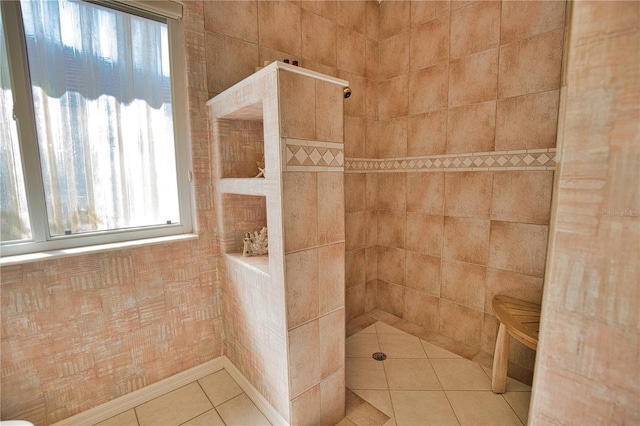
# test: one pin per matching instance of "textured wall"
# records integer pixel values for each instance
(80, 331)
(463, 156)
(588, 369)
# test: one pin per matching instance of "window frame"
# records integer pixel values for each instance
(24, 115)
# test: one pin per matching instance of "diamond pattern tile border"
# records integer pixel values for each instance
(308, 155)
(527, 159)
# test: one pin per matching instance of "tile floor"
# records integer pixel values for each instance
(422, 384)
(418, 384)
(213, 400)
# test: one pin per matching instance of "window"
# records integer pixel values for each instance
(94, 147)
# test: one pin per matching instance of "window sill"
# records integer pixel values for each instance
(76, 251)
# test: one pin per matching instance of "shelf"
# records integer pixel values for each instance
(258, 263)
(244, 186)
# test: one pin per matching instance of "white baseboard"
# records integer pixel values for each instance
(270, 413)
(126, 402)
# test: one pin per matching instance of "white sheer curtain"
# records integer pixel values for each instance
(14, 216)
(102, 98)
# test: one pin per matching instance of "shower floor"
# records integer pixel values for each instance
(419, 383)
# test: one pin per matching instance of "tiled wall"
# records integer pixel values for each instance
(314, 235)
(461, 166)
(83, 330)
(587, 369)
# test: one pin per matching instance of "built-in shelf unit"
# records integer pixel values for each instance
(284, 309)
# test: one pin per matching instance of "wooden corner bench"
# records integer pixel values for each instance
(520, 320)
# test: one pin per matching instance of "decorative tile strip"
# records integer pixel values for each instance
(308, 155)
(526, 159)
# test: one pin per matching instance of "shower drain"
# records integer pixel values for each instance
(379, 356)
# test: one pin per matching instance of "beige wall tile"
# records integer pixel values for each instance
(526, 19)
(304, 357)
(329, 116)
(325, 8)
(301, 284)
(395, 17)
(394, 56)
(392, 136)
(355, 268)
(330, 207)
(391, 228)
(300, 212)
(297, 121)
(474, 28)
(332, 398)
(371, 293)
(373, 62)
(319, 38)
(531, 65)
(466, 240)
(464, 283)
(354, 137)
(429, 44)
(421, 309)
(390, 297)
(352, 15)
(467, 194)
(456, 4)
(279, 24)
(393, 97)
(473, 78)
(351, 51)
(460, 323)
(355, 236)
(269, 54)
(318, 67)
(428, 89)
(527, 122)
(371, 227)
(356, 105)
(423, 11)
(392, 191)
(245, 15)
(518, 247)
(424, 233)
(372, 138)
(373, 98)
(372, 190)
(522, 196)
(305, 409)
(427, 133)
(391, 266)
(222, 74)
(372, 17)
(489, 333)
(354, 190)
(331, 277)
(425, 193)
(371, 263)
(354, 301)
(471, 128)
(513, 284)
(332, 331)
(422, 273)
